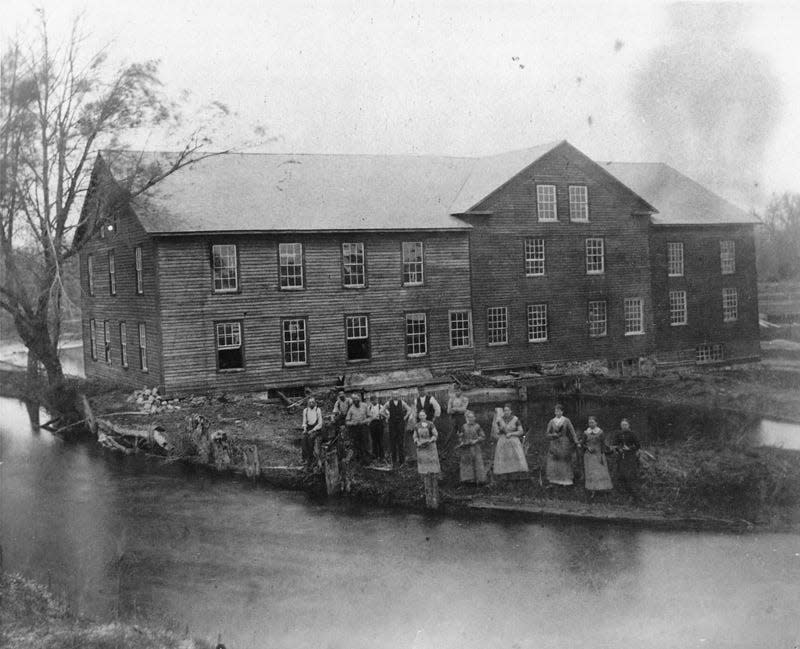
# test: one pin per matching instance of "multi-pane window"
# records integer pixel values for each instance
(578, 203)
(634, 316)
(290, 265)
(93, 338)
(597, 318)
(416, 334)
(353, 272)
(413, 263)
(675, 259)
(226, 273)
(106, 342)
(230, 355)
(677, 308)
(112, 273)
(90, 273)
(708, 353)
(730, 304)
(534, 257)
(295, 342)
(123, 343)
(143, 346)
(497, 325)
(546, 202)
(727, 257)
(356, 329)
(537, 323)
(139, 282)
(595, 256)
(460, 329)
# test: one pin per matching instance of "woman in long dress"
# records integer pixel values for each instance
(470, 437)
(425, 436)
(595, 465)
(626, 446)
(509, 456)
(562, 443)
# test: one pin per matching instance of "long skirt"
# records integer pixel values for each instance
(596, 474)
(471, 467)
(560, 468)
(509, 456)
(428, 459)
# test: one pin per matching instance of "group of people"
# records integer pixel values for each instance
(360, 425)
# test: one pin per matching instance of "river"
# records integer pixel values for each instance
(273, 569)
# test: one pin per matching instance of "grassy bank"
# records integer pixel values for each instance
(32, 618)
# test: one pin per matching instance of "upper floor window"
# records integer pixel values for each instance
(290, 264)
(225, 266)
(727, 257)
(139, 281)
(578, 203)
(597, 319)
(295, 342)
(356, 328)
(546, 202)
(537, 323)
(730, 304)
(413, 263)
(675, 259)
(460, 329)
(534, 257)
(353, 267)
(677, 308)
(112, 273)
(229, 346)
(90, 273)
(595, 256)
(634, 316)
(497, 325)
(123, 343)
(416, 334)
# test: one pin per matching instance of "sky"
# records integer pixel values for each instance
(710, 88)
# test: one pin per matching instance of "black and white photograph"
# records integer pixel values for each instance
(391, 324)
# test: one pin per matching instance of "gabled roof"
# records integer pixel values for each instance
(679, 199)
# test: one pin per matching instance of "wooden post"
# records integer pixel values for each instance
(333, 478)
(91, 420)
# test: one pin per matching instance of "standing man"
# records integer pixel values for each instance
(457, 409)
(312, 427)
(340, 408)
(375, 428)
(398, 412)
(428, 403)
(357, 430)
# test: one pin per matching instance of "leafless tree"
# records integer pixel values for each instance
(779, 239)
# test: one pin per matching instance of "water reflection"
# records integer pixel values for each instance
(778, 433)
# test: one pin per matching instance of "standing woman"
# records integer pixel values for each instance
(562, 442)
(470, 437)
(595, 466)
(509, 456)
(626, 446)
(425, 437)
(457, 409)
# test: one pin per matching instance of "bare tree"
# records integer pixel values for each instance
(59, 108)
(779, 239)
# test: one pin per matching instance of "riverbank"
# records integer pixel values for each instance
(32, 617)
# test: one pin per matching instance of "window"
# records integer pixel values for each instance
(226, 277)
(709, 353)
(534, 257)
(106, 342)
(598, 321)
(112, 273)
(290, 265)
(634, 316)
(537, 323)
(727, 257)
(595, 256)
(139, 283)
(546, 202)
(497, 325)
(295, 342)
(123, 343)
(353, 272)
(93, 338)
(460, 329)
(229, 346)
(730, 305)
(143, 346)
(578, 203)
(356, 329)
(412, 263)
(677, 308)
(90, 273)
(675, 259)
(416, 334)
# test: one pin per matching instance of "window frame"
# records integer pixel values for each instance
(240, 346)
(347, 338)
(137, 254)
(107, 342)
(404, 263)
(214, 288)
(529, 312)
(727, 306)
(306, 341)
(470, 337)
(302, 267)
(112, 273)
(93, 338)
(625, 319)
(674, 262)
(602, 242)
(123, 343)
(709, 353)
(489, 327)
(540, 203)
(590, 322)
(90, 273)
(573, 202)
(674, 313)
(142, 336)
(363, 265)
(727, 257)
(531, 248)
(406, 334)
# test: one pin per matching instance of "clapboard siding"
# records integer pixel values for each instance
(189, 307)
(703, 282)
(126, 306)
(498, 270)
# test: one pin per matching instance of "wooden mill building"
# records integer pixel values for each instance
(245, 271)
